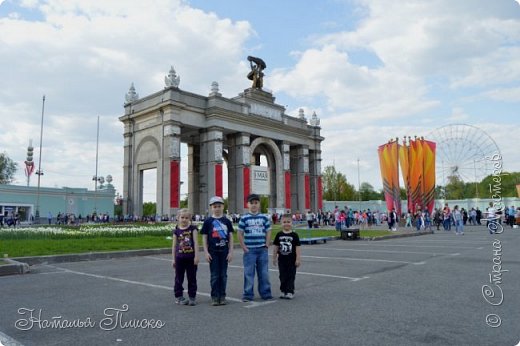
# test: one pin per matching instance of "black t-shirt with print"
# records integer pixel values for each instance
(287, 243)
(218, 231)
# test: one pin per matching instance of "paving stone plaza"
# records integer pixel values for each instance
(425, 290)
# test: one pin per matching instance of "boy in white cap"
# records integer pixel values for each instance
(217, 239)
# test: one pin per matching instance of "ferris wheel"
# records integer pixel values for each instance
(464, 151)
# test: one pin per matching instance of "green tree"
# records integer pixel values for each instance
(402, 194)
(439, 192)
(336, 186)
(7, 169)
(455, 188)
(503, 185)
(264, 203)
(149, 209)
(368, 193)
(118, 210)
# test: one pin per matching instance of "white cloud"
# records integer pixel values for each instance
(83, 57)
(374, 93)
(504, 94)
(458, 115)
(463, 45)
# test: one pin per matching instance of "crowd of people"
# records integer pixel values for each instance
(72, 220)
(340, 218)
(9, 220)
(458, 218)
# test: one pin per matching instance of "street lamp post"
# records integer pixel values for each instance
(39, 172)
(476, 182)
(359, 186)
(95, 177)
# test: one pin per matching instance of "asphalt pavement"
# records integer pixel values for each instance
(432, 289)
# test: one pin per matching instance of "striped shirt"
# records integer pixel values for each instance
(254, 228)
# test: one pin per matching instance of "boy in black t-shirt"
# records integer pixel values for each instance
(217, 239)
(287, 253)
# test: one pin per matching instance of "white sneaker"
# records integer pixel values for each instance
(289, 296)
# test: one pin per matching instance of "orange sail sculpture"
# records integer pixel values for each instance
(417, 160)
(389, 164)
(428, 189)
(416, 174)
(404, 160)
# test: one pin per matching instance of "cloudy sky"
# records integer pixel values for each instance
(371, 69)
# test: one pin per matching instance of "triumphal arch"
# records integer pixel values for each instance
(216, 129)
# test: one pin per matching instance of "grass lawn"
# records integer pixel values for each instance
(39, 246)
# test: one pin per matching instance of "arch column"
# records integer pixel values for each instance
(301, 186)
(315, 168)
(316, 187)
(171, 173)
(286, 152)
(211, 165)
(194, 188)
(239, 168)
(127, 168)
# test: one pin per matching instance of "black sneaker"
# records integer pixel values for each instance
(214, 301)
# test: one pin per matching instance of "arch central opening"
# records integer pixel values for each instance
(149, 193)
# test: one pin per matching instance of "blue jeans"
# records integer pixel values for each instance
(459, 228)
(218, 269)
(256, 259)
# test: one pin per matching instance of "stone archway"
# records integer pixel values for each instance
(278, 198)
(147, 156)
(218, 129)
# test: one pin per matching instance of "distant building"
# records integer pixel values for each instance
(22, 200)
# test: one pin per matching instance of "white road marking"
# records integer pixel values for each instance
(258, 304)
(8, 341)
(425, 246)
(383, 251)
(251, 304)
(363, 259)
(276, 270)
(133, 282)
(442, 240)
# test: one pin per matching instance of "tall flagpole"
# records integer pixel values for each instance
(39, 171)
(359, 186)
(96, 176)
